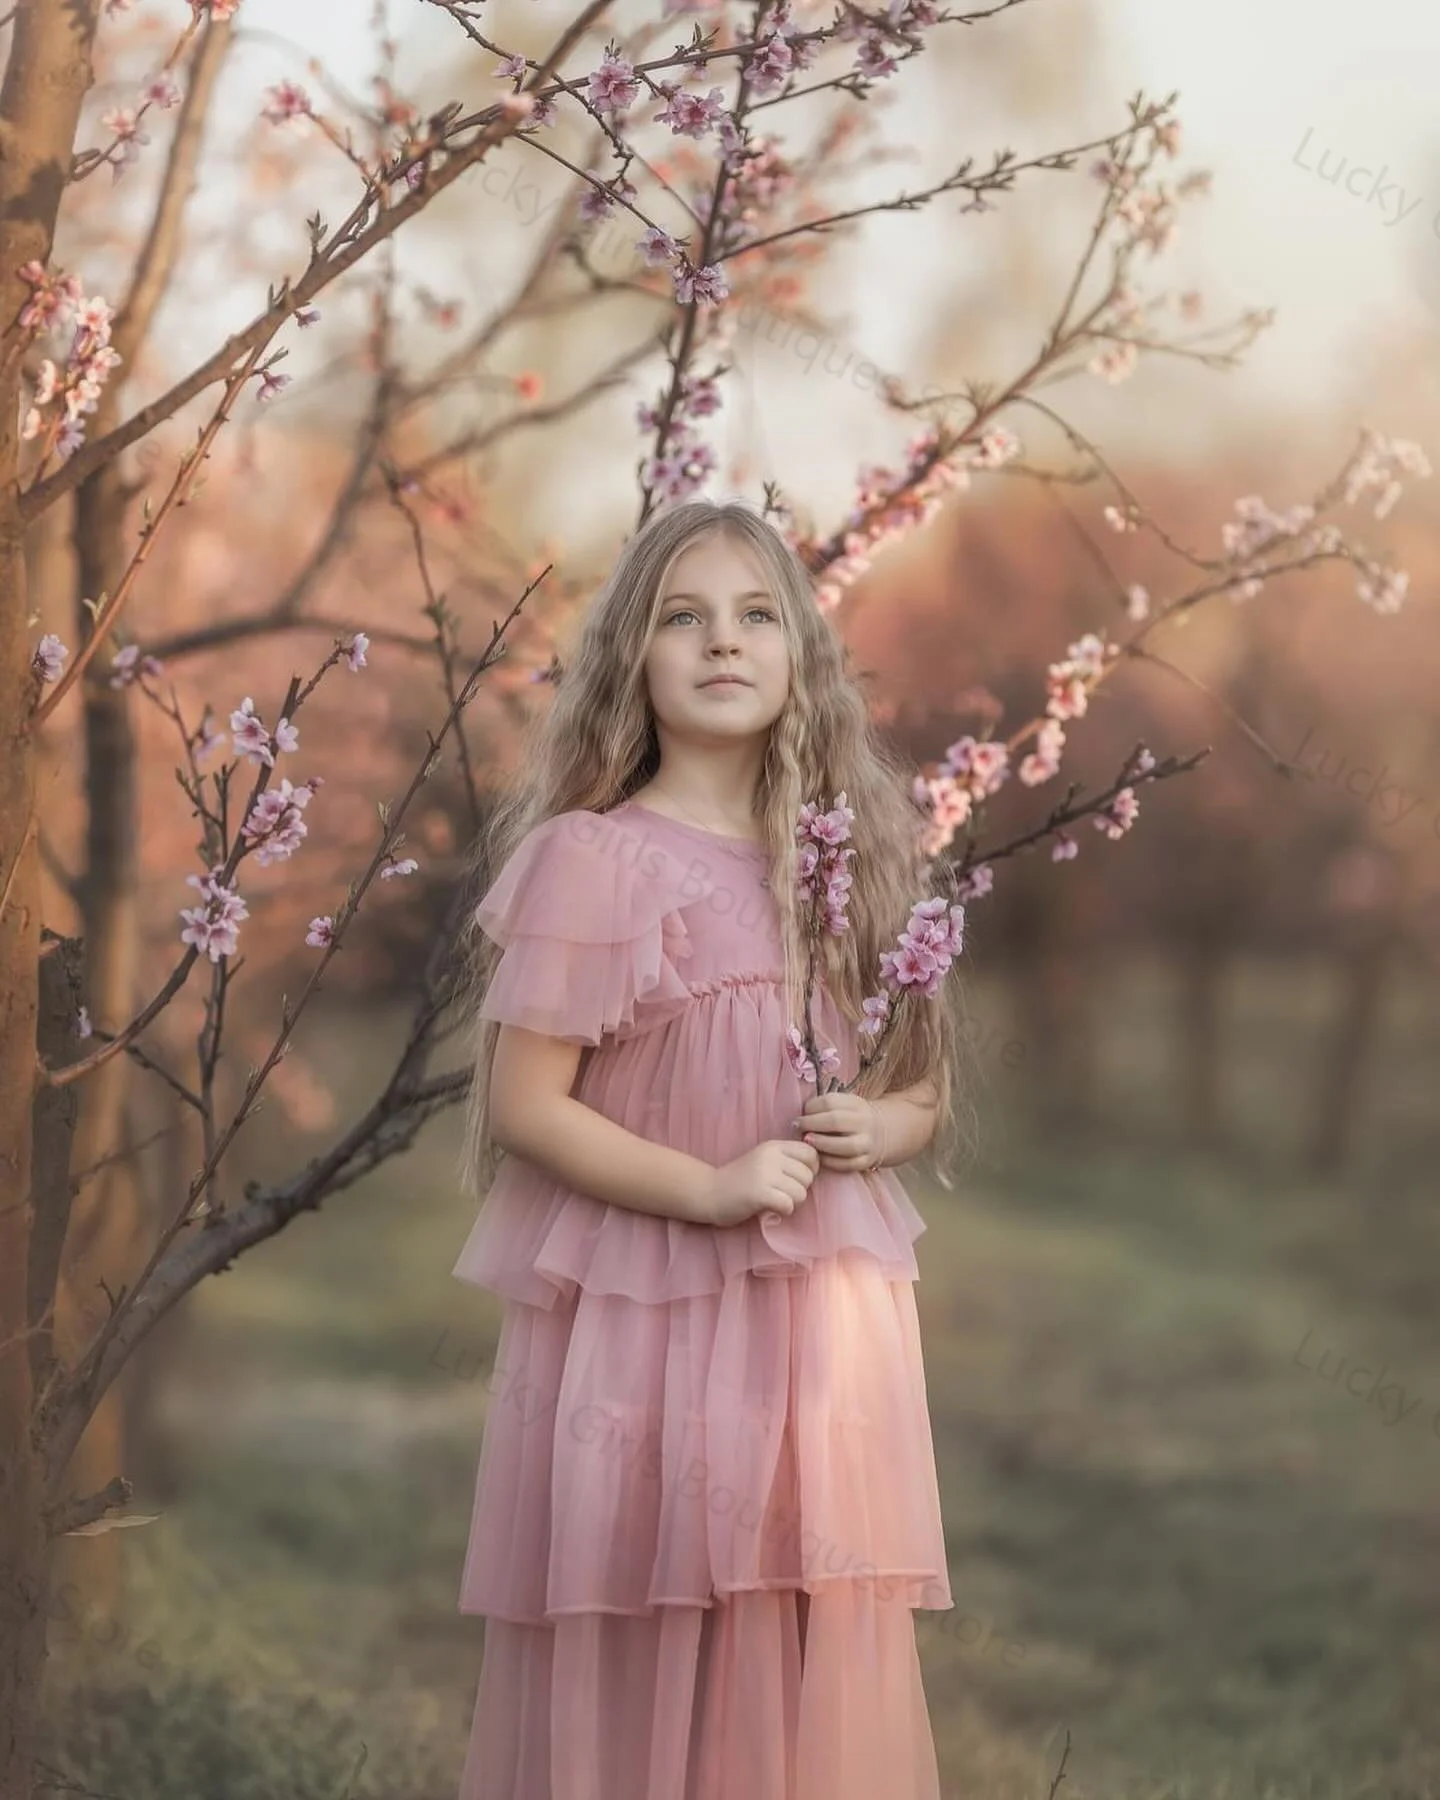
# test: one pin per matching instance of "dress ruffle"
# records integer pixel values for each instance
(591, 932)
(773, 1435)
(537, 1241)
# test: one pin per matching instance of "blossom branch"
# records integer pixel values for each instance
(95, 1355)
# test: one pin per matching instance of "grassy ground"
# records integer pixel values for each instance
(1170, 1535)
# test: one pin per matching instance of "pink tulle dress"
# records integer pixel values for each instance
(687, 1423)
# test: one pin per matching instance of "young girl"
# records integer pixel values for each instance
(706, 1504)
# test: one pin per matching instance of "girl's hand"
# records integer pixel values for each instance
(845, 1129)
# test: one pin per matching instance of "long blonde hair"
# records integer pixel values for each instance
(596, 744)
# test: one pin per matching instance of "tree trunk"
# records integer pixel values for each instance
(1351, 1045)
(105, 1241)
(1202, 980)
(46, 77)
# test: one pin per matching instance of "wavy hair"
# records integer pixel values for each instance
(596, 745)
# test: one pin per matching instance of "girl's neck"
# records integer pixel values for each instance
(694, 812)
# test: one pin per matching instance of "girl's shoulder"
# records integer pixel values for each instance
(595, 872)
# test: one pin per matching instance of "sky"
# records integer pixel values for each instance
(1317, 118)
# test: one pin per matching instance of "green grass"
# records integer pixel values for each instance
(1211, 1566)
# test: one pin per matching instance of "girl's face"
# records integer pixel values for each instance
(717, 617)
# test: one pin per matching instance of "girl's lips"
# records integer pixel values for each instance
(725, 681)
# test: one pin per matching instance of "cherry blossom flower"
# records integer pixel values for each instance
(253, 741)
(274, 823)
(287, 101)
(689, 114)
(406, 866)
(1064, 848)
(1115, 362)
(306, 316)
(124, 125)
(1119, 521)
(83, 1027)
(657, 247)
(1044, 761)
(997, 447)
(770, 67)
(1137, 602)
(877, 1010)
(873, 59)
(206, 737)
(128, 663)
(510, 68)
(800, 1060)
(78, 383)
(976, 883)
(613, 86)
(355, 652)
(321, 933)
(1117, 818)
(48, 662)
(271, 384)
(213, 926)
(701, 287)
(1386, 595)
(163, 91)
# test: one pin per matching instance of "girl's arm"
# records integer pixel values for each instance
(533, 1115)
(907, 1121)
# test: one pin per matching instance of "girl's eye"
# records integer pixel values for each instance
(686, 612)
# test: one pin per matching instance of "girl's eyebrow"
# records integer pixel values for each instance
(754, 594)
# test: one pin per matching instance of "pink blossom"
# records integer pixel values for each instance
(83, 1027)
(321, 933)
(306, 316)
(873, 59)
(355, 652)
(406, 866)
(679, 470)
(1044, 762)
(124, 126)
(687, 113)
(213, 926)
(287, 101)
(1114, 363)
(997, 447)
(1064, 849)
(48, 661)
(1387, 594)
(877, 1011)
(1119, 521)
(274, 822)
(800, 1060)
(701, 287)
(657, 247)
(770, 67)
(164, 91)
(1137, 601)
(206, 737)
(271, 384)
(976, 883)
(128, 663)
(251, 739)
(1117, 818)
(613, 87)
(510, 68)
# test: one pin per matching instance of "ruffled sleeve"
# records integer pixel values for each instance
(590, 924)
